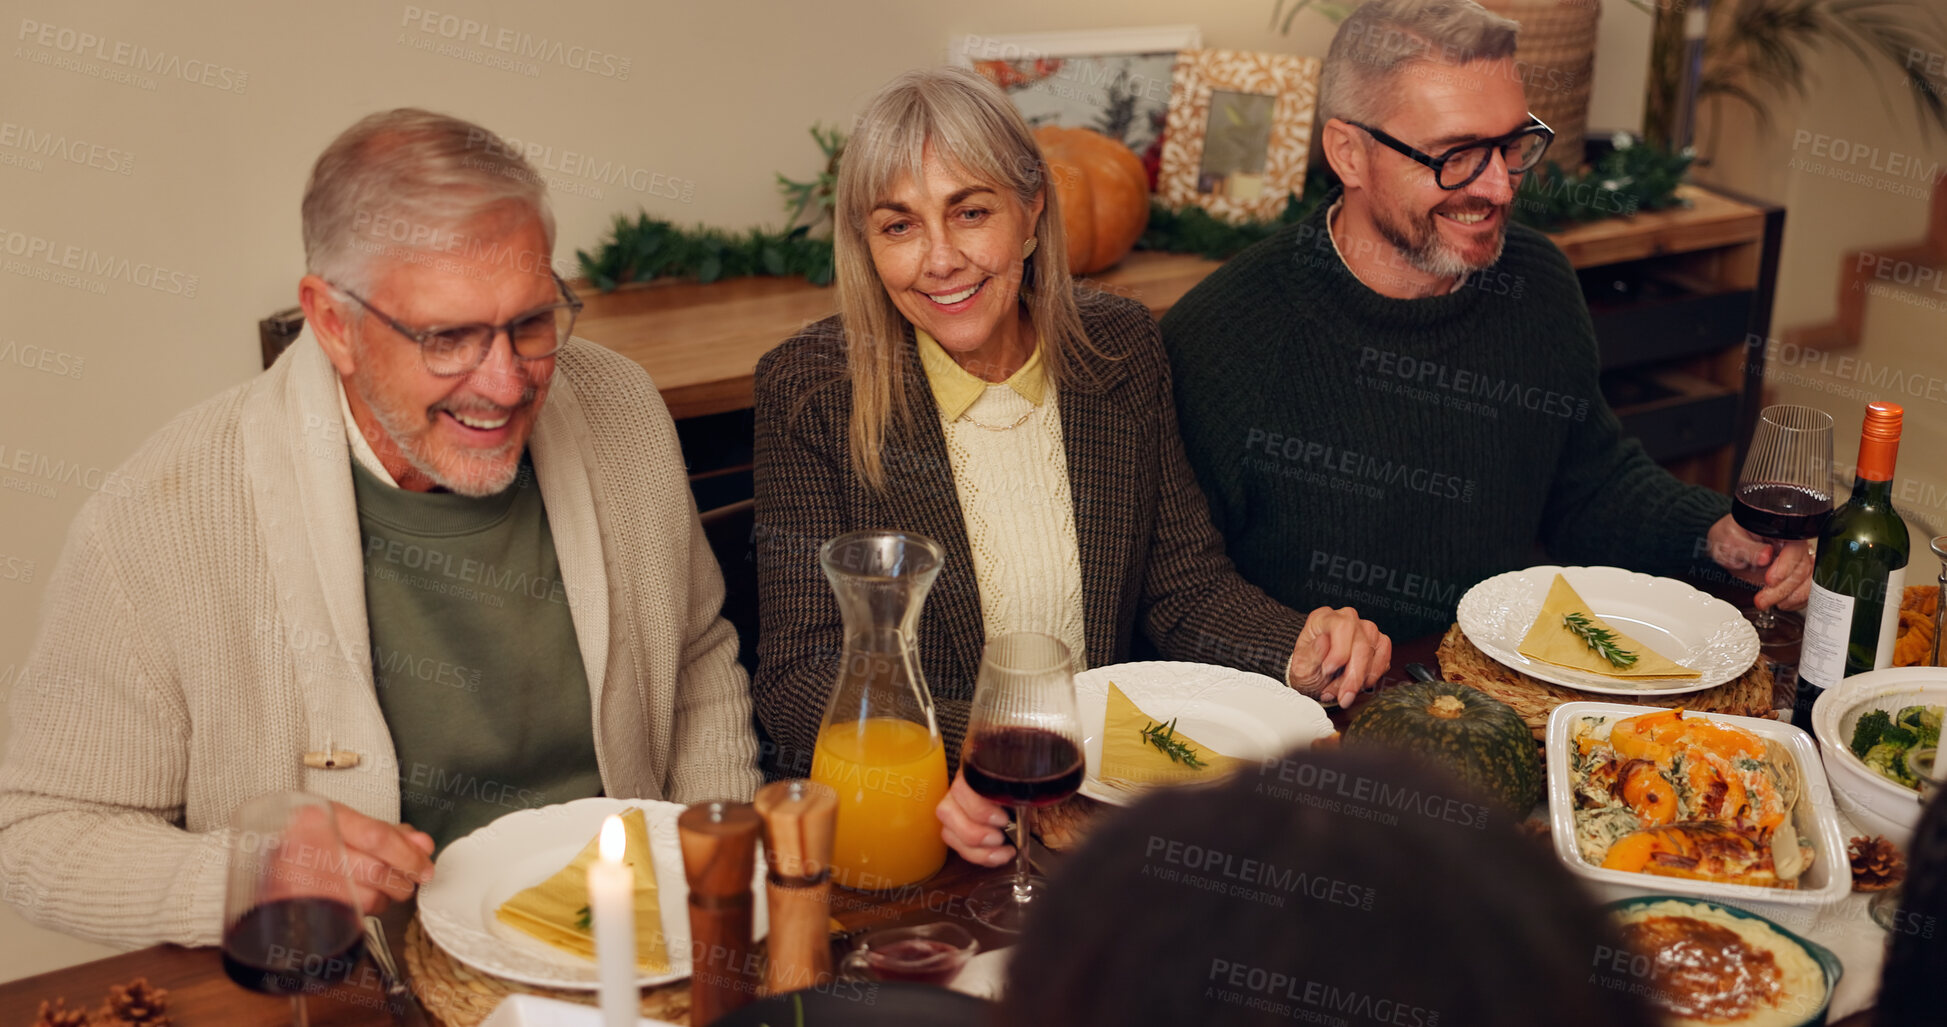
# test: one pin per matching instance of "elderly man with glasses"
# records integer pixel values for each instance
(439, 563)
(1398, 396)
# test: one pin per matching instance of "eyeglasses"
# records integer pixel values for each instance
(1520, 149)
(453, 350)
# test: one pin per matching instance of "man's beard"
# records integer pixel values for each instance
(1420, 245)
(481, 473)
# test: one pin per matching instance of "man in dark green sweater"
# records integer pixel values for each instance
(1398, 396)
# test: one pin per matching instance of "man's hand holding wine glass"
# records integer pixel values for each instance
(387, 861)
(1781, 570)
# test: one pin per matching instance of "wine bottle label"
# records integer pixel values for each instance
(1828, 624)
(1889, 619)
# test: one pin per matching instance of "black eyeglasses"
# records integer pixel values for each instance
(1521, 149)
(453, 350)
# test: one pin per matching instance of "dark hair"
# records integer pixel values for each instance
(1329, 887)
(1916, 963)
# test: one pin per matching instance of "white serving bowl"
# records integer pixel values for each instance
(1867, 799)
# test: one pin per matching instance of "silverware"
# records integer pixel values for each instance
(1940, 609)
(400, 1000)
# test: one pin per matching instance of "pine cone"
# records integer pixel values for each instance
(57, 1014)
(135, 1004)
(1876, 864)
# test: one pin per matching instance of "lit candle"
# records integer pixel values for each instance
(611, 898)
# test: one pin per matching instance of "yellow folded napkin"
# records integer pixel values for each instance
(553, 910)
(1129, 757)
(1550, 641)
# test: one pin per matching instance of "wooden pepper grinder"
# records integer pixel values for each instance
(798, 821)
(719, 858)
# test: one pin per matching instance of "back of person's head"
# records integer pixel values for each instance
(1916, 962)
(1327, 887)
(1381, 37)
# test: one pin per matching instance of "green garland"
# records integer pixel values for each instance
(649, 248)
(1631, 177)
(1194, 230)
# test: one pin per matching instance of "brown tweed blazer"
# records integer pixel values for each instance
(1148, 550)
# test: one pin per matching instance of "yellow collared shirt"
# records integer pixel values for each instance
(955, 388)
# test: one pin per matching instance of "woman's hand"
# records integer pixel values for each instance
(1339, 655)
(972, 825)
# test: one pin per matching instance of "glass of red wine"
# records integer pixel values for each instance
(1023, 749)
(290, 919)
(1784, 492)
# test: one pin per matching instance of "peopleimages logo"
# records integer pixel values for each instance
(60, 147)
(96, 263)
(524, 45)
(87, 45)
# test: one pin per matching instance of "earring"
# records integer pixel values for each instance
(1027, 248)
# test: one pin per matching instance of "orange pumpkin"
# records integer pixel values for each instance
(1103, 192)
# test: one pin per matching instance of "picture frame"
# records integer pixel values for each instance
(1116, 81)
(1264, 105)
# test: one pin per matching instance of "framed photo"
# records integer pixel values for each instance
(1239, 132)
(1115, 81)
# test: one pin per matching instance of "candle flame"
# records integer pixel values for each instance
(614, 842)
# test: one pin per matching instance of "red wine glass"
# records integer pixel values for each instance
(290, 920)
(1784, 492)
(1023, 749)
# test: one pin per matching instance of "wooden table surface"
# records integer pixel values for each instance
(200, 994)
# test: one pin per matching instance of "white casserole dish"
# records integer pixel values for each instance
(1828, 880)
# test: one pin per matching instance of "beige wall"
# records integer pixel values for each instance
(201, 165)
(1853, 171)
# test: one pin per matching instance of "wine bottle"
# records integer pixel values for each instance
(1859, 575)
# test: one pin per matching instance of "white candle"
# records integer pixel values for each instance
(611, 898)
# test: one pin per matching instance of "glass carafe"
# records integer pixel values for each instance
(879, 746)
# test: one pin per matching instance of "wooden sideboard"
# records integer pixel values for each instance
(1674, 296)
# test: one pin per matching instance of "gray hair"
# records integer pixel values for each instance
(403, 182)
(1381, 37)
(972, 125)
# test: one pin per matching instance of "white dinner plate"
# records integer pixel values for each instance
(1235, 712)
(474, 875)
(1701, 632)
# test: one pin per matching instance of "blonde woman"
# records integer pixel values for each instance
(965, 391)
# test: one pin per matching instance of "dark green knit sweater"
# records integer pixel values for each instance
(1387, 454)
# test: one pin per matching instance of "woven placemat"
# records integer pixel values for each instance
(459, 996)
(1460, 662)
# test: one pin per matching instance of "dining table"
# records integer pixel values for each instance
(200, 994)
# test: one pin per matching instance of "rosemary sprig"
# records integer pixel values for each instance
(582, 918)
(1163, 736)
(1602, 640)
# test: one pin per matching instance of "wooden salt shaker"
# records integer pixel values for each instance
(719, 857)
(798, 821)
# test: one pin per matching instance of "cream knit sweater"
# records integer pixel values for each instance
(206, 628)
(1013, 489)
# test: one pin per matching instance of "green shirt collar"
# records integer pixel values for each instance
(955, 388)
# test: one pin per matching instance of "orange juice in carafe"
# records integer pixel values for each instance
(879, 746)
(889, 774)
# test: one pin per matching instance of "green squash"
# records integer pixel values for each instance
(1478, 738)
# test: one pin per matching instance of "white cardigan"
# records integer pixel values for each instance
(205, 629)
